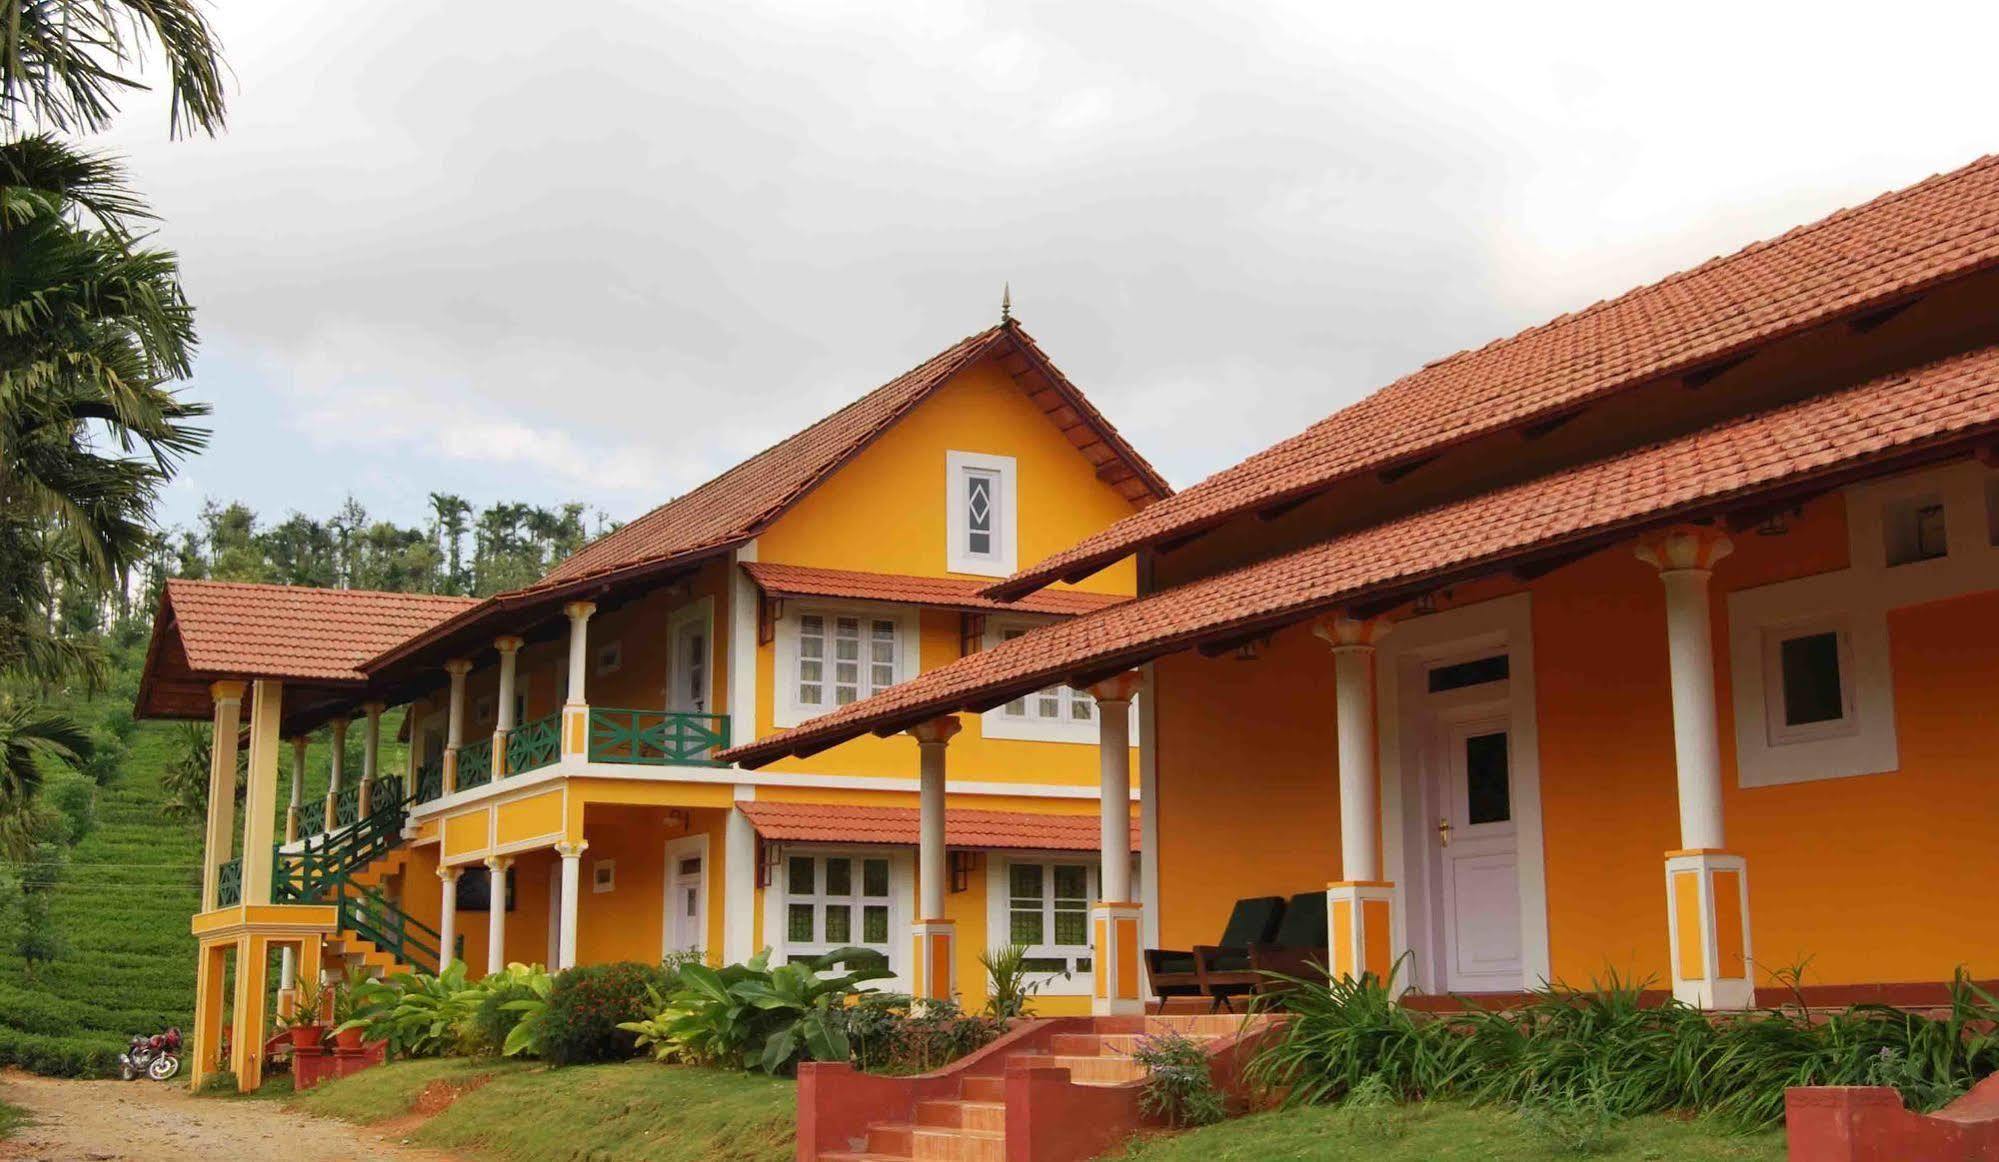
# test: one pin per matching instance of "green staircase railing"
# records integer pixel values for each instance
(321, 871)
(533, 745)
(371, 916)
(661, 737)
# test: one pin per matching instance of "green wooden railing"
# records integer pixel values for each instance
(429, 780)
(659, 737)
(229, 884)
(322, 863)
(533, 745)
(370, 915)
(346, 804)
(475, 764)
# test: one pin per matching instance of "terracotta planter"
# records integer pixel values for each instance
(307, 1036)
(348, 1040)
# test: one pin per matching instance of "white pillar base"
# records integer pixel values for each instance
(936, 943)
(1117, 983)
(1707, 911)
(1359, 928)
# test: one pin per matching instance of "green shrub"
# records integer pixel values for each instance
(59, 1056)
(1178, 1087)
(891, 1033)
(1344, 1032)
(1014, 980)
(587, 1004)
(753, 1016)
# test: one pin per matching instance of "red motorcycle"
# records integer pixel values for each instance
(157, 1056)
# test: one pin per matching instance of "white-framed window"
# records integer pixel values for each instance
(1914, 528)
(982, 514)
(830, 655)
(1056, 714)
(836, 899)
(603, 875)
(1048, 913)
(1808, 681)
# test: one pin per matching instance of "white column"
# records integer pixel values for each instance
(576, 706)
(221, 840)
(1116, 920)
(572, 879)
(295, 800)
(1360, 904)
(447, 916)
(454, 720)
(1707, 888)
(496, 912)
(260, 797)
(933, 738)
(336, 771)
(371, 755)
(503, 711)
(739, 869)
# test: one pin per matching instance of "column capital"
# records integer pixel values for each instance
(299, 743)
(1684, 547)
(572, 850)
(499, 863)
(579, 610)
(1343, 631)
(938, 731)
(1117, 688)
(458, 667)
(337, 724)
(507, 643)
(374, 708)
(449, 873)
(227, 691)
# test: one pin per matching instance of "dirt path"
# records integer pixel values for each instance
(99, 1120)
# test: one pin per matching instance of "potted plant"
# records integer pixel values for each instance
(353, 1007)
(303, 1021)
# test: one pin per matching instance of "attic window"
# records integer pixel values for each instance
(981, 514)
(1913, 529)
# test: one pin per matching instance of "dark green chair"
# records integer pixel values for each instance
(1200, 972)
(1299, 948)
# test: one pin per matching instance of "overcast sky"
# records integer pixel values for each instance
(604, 250)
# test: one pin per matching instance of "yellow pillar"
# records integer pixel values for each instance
(260, 800)
(247, 1031)
(221, 839)
(211, 968)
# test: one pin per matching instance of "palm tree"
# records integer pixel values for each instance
(65, 63)
(30, 736)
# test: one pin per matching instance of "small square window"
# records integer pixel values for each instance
(610, 656)
(603, 875)
(1914, 529)
(482, 709)
(1808, 684)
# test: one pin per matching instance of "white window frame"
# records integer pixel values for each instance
(603, 876)
(1000, 722)
(703, 613)
(1855, 599)
(1782, 733)
(778, 900)
(1003, 560)
(999, 910)
(787, 710)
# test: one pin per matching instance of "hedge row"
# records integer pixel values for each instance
(60, 1056)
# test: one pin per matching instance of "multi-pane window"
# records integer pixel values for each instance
(981, 512)
(1053, 705)
(835, 901)
(843, 658)
(1048, 911)
(980, 518)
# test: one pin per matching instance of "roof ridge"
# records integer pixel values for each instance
(288, 587)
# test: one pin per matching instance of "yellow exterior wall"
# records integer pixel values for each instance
(1843, 871)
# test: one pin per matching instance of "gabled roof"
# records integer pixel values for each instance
(1856, 261)
(741, 502)
(1945, 408)
(211, 630)
(900, 826)
(780, 580)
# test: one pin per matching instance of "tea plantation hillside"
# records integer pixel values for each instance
(122, 905)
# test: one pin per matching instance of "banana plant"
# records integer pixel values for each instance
(760, 1017)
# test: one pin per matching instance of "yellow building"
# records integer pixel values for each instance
(563, 736)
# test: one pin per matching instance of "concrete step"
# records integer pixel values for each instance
(890, 1139)
(863, 1156)
(934, 1144)
(985, 1116)
(1100, 1070)
(983, 1088)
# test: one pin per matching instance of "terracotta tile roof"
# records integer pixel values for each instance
(1938, 409)
(229, 629)
(945, 592)
(1854, 261)
(734, 506)
(963, 827)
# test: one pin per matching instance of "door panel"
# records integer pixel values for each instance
(1475, 848)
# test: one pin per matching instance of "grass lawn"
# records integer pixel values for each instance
(10, 1117)
(1443, 1130)
(514, 1110)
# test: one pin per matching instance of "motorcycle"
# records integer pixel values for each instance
(157, 1056)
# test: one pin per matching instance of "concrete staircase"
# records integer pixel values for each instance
(971, 1126)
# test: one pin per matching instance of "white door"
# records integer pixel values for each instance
(686, 921)
(1475, 851)
(688, 688)
(554, 916)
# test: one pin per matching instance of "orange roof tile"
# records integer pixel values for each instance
(945, 592)
(231, 629)
(1926, 412)
(963, 827)
(1851, 262)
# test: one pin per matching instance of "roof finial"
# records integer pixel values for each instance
(1006, 303)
